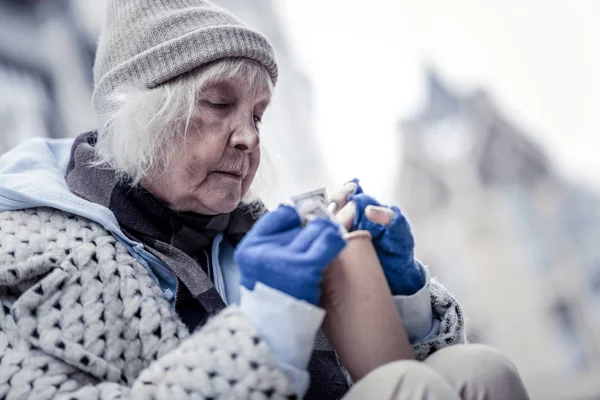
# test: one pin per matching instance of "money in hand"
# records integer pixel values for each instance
(313, 204)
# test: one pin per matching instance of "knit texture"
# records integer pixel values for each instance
(147, 42)
(81, 319)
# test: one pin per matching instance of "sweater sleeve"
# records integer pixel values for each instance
(432, 317)
(89, 323)
(448, 327)
(416, 311)
(288, 325)
(226, 359)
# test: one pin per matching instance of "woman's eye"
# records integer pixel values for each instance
(257, 119)
(219, 106)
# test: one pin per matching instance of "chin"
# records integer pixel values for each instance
(227, 208)
(225, 204)
(218, 196)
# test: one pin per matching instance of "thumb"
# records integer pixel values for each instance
(346, 215)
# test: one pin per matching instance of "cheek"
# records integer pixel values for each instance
(254, 163)
(187, 170)
(199, 156)
(255, 159)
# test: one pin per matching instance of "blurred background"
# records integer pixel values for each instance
(479, 119)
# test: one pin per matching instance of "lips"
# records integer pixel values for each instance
(234, 167)
(233, 174)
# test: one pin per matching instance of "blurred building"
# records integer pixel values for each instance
(45, 71)
(517, 244)
(46, 56)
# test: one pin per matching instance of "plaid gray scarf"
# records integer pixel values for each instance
(182, 241)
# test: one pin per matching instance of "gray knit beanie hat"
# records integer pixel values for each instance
(147, 42)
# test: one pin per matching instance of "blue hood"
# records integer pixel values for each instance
(33, 175)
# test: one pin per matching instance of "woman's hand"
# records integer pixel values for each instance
(282, 254)
(392, 236)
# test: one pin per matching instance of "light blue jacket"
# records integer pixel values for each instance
(33, 175)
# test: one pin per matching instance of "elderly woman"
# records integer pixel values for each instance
(131, 265)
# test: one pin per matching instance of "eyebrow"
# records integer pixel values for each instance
(220, 84)
(228, 88)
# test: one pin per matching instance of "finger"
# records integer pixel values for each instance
(347, 215)
(361, 221)
(398, 234)
(327, 245)
(340, 198)
(305, 238)
(282, 219)
(379, 214)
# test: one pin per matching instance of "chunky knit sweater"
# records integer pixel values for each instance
(81, 319)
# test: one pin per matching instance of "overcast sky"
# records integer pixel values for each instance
(540, 59)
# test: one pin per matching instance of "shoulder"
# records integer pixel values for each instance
(34, 232)
(35, 241)
(73, 278)
(38, 243)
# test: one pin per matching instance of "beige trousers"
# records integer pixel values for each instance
(467, 372)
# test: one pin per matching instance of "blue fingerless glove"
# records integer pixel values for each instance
(282, 254)
(393, 243)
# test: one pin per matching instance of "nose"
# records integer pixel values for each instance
(245, 136)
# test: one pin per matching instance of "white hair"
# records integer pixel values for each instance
(147, 126)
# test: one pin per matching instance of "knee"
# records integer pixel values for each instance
(486, 362)
(411, 371)
(476, 368)
(402, 380)
(415, 380)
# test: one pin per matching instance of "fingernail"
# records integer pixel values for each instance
(380, 215)
(380, 208)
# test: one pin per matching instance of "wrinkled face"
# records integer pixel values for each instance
(221, 153)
